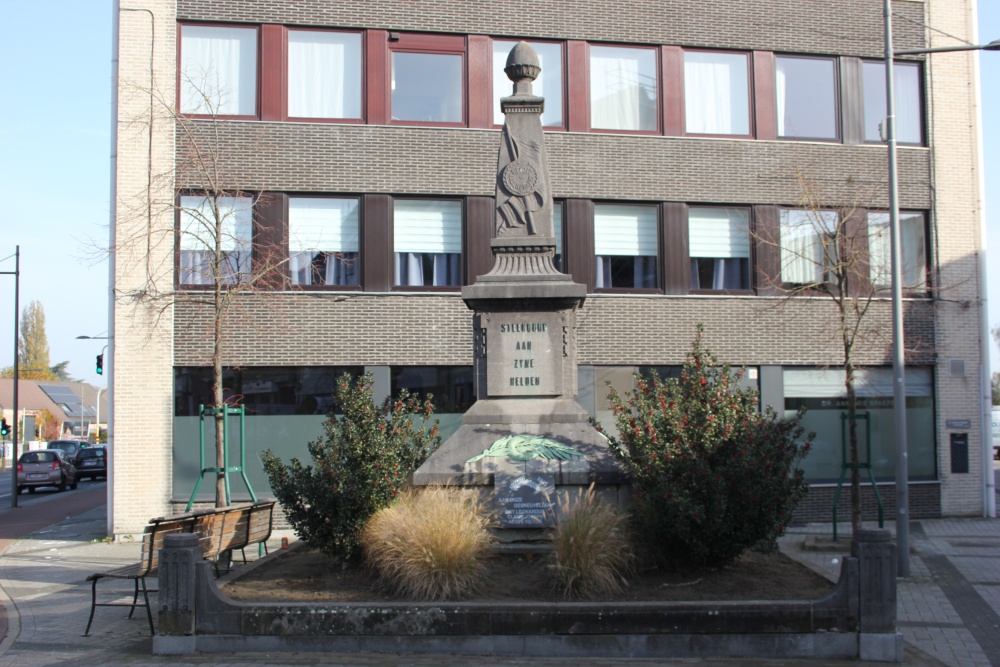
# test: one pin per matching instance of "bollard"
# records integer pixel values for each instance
(176, 605)
(876, 553)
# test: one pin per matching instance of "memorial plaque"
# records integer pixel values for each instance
(524, 353)
(525, 501)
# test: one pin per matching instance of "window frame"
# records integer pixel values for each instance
(287, 229)
(811, 286)
(751, 249)
(921, 100)
(392, 246)
(751, 119)
(428, 44)
(254, 198)
(658, 289)
(564, 87)
(838, 112)
(258, 67)
(364, 75)
(909, 290)
(657, 77)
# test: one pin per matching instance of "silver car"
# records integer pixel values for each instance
(44, 467)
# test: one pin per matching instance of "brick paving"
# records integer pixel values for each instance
(948, 607)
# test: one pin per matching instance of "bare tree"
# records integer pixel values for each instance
(842, 254)
(205, 244)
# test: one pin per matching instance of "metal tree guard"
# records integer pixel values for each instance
(226, 412)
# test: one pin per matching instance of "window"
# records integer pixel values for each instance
(806, 97)
(719, 243)
(822, 393)
(451, 386)
(427, 87)
(263, 390)
(201, 229)
(323, 241)
(913, 264)
(623, 90)
(549, 83)
(716, 93)
(324, 74)
(427, 240)
(909, 113)
(218, 71)
(807, 246)
(625, 243)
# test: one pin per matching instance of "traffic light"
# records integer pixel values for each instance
(100, 364)
(4, 429)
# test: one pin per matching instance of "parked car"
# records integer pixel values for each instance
(69, 448)
(45, 467)
(92, 462)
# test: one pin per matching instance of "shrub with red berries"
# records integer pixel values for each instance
(712, 474)
(360, 464)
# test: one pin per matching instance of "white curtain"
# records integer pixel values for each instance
(802, 252)
(324, 74)
(200, 227)
(716, 93)
(913, 265)
(618, 77)
(906, 82)
(427, 241)
(780, 85)
(218, 70)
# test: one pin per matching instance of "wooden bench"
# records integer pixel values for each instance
(220, 531)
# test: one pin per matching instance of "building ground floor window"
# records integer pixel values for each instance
(823, 395)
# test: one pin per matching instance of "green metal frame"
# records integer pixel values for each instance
(846, 465)
(226, 412)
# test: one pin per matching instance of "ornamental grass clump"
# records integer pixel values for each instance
(429, 545)
(712, 474)
(592, 551)
(360, 464)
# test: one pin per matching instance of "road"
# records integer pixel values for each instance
(42, 495)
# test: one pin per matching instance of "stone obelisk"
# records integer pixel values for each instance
(526, 424)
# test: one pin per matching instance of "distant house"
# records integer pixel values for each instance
(73, 405)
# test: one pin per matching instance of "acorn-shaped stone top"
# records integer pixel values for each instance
(522, 63)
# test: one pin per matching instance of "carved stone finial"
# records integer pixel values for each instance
(522, 67)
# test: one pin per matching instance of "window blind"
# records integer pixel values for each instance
(624, 230)
(328, 225)
(869, 382)
(719, 232)
(427, 226)
(198, 223)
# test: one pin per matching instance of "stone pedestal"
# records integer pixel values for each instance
(524, 321)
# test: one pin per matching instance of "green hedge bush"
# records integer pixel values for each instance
(359, 465)
(712, 475)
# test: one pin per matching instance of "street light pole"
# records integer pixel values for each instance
(898, 370)
(17, 326)
(898, 367)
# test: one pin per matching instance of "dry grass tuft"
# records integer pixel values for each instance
(430, 545)
(592, 550)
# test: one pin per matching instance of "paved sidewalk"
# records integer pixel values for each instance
(948, 609)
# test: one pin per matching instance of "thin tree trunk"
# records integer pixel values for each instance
(217, 397)
(852, 438)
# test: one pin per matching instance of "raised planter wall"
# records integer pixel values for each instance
(855, 620)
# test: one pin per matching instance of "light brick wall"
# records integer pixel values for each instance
(955, 136)
(143, 377)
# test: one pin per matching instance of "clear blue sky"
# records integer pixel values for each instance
(54, 168)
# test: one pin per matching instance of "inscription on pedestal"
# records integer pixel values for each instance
(525, 501)
(524, 354)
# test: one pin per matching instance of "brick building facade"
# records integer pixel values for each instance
(608, 161)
